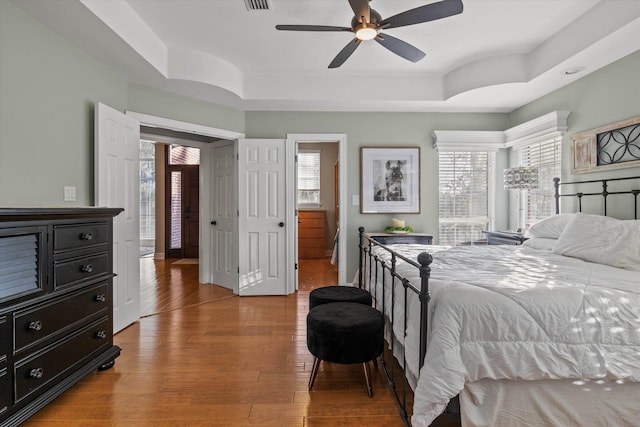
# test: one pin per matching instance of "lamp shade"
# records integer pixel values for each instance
(520, 178)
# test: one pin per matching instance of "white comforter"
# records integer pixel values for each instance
(504, 312)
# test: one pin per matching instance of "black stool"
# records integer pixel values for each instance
(338, 294)
(345, 332)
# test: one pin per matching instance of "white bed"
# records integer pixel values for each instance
(522, 332)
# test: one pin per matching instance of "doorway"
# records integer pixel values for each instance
(318, 210)
(338, 244)
(183, 201)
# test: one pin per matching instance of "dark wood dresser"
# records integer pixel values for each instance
(396, 238)
(504, 238)
(312, 233)
(56, 306)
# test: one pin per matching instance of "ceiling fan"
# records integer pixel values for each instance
(367, 24)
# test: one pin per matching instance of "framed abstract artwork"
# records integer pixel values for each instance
(389, 180)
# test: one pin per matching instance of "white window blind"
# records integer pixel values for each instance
(545, 155)
(464, 195)
(309, 177)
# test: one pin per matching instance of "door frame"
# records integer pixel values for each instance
(291, 149)
(206, 164)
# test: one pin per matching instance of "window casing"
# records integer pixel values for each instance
(546, 156)
(466, 188)
(309, 178)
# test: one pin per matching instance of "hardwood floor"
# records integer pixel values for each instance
(209, 358)
(170, 284)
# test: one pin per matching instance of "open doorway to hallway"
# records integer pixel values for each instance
(169, 199)
(318, 210)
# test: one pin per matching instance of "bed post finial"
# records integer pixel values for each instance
(556, 186)
(425, 259)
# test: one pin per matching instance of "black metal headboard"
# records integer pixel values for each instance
(604, 193)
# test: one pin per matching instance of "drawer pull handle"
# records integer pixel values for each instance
(36, 373)
(101, 297)
(87, 268)
(101, 334)
(36, 325)
(86, 236)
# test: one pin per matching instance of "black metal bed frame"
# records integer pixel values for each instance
(605, 193)
(374, 265)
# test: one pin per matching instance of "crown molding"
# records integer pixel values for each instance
(544, 127)
(468, 140)
(547, 126)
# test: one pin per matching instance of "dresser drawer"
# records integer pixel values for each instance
(308, 214)
(397, 239)
(77, 269)
(5, 389)
(311, 233)
(36, 324)
(34, 372)
(77, 236)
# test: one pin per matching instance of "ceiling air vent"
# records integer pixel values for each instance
(258, 4)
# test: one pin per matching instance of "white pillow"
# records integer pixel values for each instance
(602, 240)
(550, 227)
(542, 243)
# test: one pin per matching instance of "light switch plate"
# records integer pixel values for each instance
(355, 200)
(69, 194)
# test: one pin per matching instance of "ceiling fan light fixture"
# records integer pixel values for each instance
(366, 31)
(367, 24)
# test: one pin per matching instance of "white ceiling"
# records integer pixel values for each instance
(495, 56)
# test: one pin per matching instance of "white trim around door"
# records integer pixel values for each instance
(341, 139)
(206, 202)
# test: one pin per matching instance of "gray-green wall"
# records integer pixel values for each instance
(48, 89)
(606, 96)
(47, 92)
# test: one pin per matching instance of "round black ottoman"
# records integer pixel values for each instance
(338, 294)
(345, 332)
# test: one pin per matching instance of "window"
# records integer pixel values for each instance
(464, 195)
(179, 155)
(309, 178)
(147, 197)
(545, 155)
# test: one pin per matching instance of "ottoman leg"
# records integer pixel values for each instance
(367, 377)
(314, 371)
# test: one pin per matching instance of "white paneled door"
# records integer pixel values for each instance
(223, 226)
(262, 217)
(117, 185)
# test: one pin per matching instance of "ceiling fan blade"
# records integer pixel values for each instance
(345, 53)
(361, 10)
(400, 47)
(429, 12)
(311, 28)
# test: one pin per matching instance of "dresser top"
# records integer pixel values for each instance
(30, 213)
